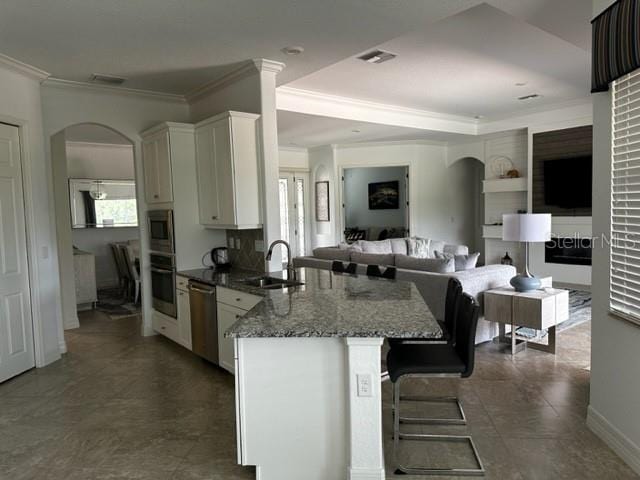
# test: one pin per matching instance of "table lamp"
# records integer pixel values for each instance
(527, 228)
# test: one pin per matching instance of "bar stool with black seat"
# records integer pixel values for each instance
(405, 361)
(374, 271)
(338, 267)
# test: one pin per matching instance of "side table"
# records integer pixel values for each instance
(538, 309)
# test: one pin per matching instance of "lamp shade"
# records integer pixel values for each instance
(526, 227)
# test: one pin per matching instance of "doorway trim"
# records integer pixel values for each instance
(410, 212)
(32, 243)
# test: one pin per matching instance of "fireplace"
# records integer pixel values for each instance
(568, 251)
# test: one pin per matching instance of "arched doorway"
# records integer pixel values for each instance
(97, 221)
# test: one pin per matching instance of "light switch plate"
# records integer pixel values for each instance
(259, 245)
(230, 242)
(238, 243)
(365, 385)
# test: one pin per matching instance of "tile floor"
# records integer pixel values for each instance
(119, 406)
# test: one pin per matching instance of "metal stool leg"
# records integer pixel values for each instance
(398, 435)
(434, 421)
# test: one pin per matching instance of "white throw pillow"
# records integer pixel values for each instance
(380, 246)
(418, 247)
(462, 262)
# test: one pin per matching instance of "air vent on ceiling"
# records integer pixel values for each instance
(377, 56)
(530, 97)
(107, 79)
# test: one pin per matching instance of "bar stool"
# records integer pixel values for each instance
(374, 271)
(428, 360)
(338, 267)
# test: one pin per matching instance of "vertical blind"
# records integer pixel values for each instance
(625, 197)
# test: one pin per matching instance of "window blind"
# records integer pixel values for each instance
(625, 198)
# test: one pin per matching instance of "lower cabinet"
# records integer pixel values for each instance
(227, 316)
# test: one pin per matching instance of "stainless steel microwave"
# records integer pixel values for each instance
(161, 237)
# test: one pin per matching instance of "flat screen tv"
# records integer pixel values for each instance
(567, 182)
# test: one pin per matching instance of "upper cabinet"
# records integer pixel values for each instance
(156, 157)
(227, 171)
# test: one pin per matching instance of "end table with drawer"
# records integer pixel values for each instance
(538, 309)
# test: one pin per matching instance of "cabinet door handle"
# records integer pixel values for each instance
(237, 317)
(214, 218)
(163, 328)
(238, 299)
(156, 196)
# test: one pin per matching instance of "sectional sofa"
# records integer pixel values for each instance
(429, 274)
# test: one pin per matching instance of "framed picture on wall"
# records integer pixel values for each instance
(384, 195)
(322, 201)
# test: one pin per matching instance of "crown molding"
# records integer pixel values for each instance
(291, 148)
(24, 68)
(265, 65)
(390, 143)
(71, 143)
(92, 87)
(317, 103)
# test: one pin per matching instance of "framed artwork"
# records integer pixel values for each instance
(384, 195)
(322, 201)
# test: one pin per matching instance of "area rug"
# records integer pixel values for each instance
(110, 301)
(579, 312)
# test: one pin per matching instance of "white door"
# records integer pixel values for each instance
(16, 329)
(294, 205)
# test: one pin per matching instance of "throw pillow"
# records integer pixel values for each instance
(418, 247)
(373, 258)
(462, 262)
(435, 265)
(398, 245)
(436, 246)
(381, 246)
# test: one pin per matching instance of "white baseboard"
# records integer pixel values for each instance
(62, 346)
(366, 473)
(617, 441)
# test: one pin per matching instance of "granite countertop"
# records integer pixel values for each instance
(336, 305)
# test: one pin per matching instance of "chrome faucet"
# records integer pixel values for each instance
(291, 272)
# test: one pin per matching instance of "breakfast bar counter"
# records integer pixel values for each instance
(308, 396)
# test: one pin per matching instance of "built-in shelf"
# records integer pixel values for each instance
(504, 185)
(492, 231)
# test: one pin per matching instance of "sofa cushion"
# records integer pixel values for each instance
(418, 247)
(436, 246)
(332, 253)
(456, 249)
(435, 265)
(398, 245)
(373, 258)
(462, 262)
(380, 246)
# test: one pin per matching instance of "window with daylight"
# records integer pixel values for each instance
(625, 198)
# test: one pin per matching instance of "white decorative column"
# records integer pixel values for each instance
(366, 458)
(269, 163)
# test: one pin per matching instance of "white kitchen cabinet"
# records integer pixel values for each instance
(232, 304)
(156, 157)
(227, 166)
(184, 312)
(227, 316)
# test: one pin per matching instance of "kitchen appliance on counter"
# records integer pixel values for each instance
(220, 258)
(163, 283)
(204, 321)
(161, 236)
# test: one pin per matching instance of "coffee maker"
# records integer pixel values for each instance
(220, 258)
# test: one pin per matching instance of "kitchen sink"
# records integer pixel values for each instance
(271, 283)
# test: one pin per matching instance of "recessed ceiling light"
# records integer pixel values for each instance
(107, 79)
(377, 56)
(530, 97)
(355, 130)
(520, 84)
(478, 117)
(293, 50)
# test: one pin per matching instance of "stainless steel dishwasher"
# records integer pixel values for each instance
(204, 320)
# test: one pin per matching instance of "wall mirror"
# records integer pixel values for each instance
(103, 203)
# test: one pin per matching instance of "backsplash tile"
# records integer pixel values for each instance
(246, 256)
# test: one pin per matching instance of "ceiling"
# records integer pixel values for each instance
(469, 63)
(175, 46)
(307, 131)
(92, 133)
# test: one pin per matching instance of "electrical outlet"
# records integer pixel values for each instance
(238, 243)
(365, 385)
(259, 245)
(230, 242)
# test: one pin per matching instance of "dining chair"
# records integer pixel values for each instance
(123, 274)
(132, 272)
(407, 361)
